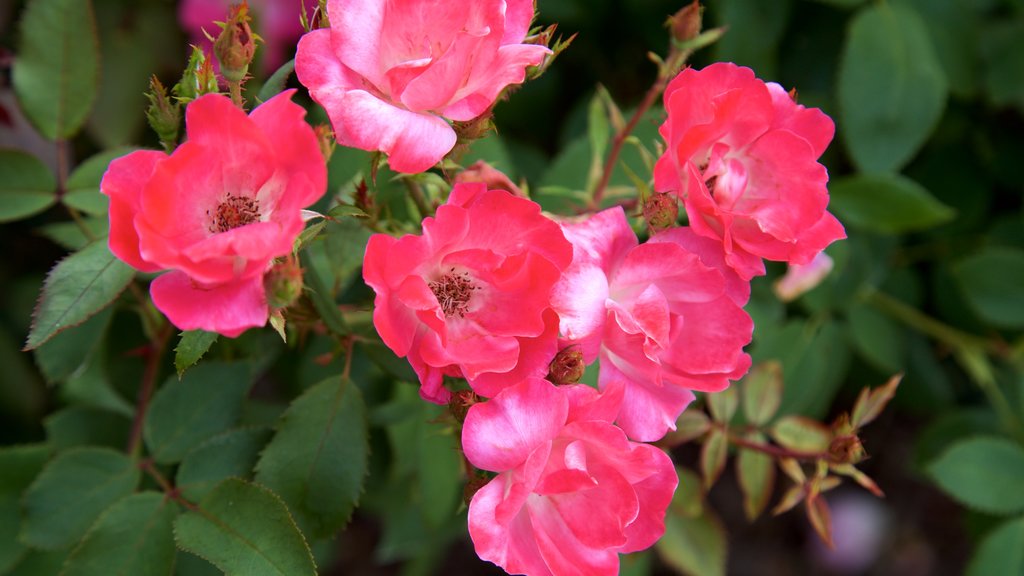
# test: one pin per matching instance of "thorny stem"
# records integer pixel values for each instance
(153, 353)
(171, 491)
(235, 88)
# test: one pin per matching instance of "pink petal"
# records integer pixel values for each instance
(562, 551)
(510, 545)
(809, 123)
(518, 16)
(648, 411)
(486, 81)
(293, 141)
(535, 355)
(357, 28)
(227, 309)
(123, 182)
(711, 255)
(586, 403)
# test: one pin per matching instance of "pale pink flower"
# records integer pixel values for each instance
(743, 156)
(801, 278)
(276, 21)
(389, 73)
(664, 317)
(572, 492)
(218, 210)
(471, 296)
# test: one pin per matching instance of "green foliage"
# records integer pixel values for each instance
(83, 185)
(232, 454)
(984, 473)
(245, 530)
(991, 280)
(1000, 551)
(57, 70)
(886, 203)
(26, 186)
(80, 286)
(193, 345)
(20, 464)
(317, 459)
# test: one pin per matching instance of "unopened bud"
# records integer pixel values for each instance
(846, 449)
(686, 23)
(198, 78)
(163, 114)
(473, 485)
(568, 366)
(236, 44)
(661, 211)
(283, 284)
(460, 403)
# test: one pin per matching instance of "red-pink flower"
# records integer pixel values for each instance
(218, 210)
(743, 155)
(471, 296)
(572, 492)
(276, 21)
(390, 72)
(665, 317)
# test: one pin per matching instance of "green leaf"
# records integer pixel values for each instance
(1000, 552)
(67, 352)
(318, 458)
(20, 465)
(57, 70)
(91, 386)
(1002, 45)
(79, 425)
(762, 392)
(192, 346)
(277, 81)
(723, 404)
(71, 492)
(879, 339)
(184, 413)
(27, 186)
(991, 281)
(134, 536)
(886, 203)
(712, 456)
(39, 563)
(689, 497)
(694, 546)
(983, 473)
(78, 287)
(753, 32)
(801, 434)
(245, 530)
(69, 235)
(598, 132)
(83, 185)
(892, 89)
(756, 474)
(231, 454)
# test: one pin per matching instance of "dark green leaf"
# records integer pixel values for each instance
(92, 386)
(953, 28)
(277, 81)
(753, 32)
(133, 537)
(20, 465)
(984, 473)
(318, 457)
(878, 338)
(39, 563)
(184, 413)
(886, 203)
(83, 185)
(69, 235)
(231, 454)
(67, 352)
(892, 89)
(71, 492)
(27, 186)
(991, 280)
(78, 287)
(57, 69)
(87, 426)
(1003, 48)
(192, 346)
(245, 530)
(1000, 552)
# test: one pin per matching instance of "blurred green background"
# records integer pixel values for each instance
(927, 174)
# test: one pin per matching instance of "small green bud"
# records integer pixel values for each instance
(236, 44)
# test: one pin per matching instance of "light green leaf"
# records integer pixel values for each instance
(83, 185)
(231, 454)
(762, 392)
(20, 465)
(991, 281)
(69, 235)
(694, 546)
(245, 530)
(204, 403)
(132, 537)
(598, 131)
(71, 492)
(712, 456)
(801, 434)
(192, 346)
(1000, 552)
(317, 460)
(78, 287)
(27, 186)
(756, 474)
(984, 473)
(892, 89)
(723, 404)
(886, 203)
(57, 69)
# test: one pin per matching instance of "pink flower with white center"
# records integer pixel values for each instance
(572, 492)
(470, 297)
(218, 210)
(276, 21)
(664, 317)
(390, 72)
(743, 156)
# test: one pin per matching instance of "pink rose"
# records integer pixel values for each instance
(663, 317)
(743, 155)
(218, 210)
(276, 21)
(572, 492)
(390, 73)
(801, 278)
(471, 296)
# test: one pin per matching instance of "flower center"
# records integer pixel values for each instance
(453, 292)
(233, 212)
